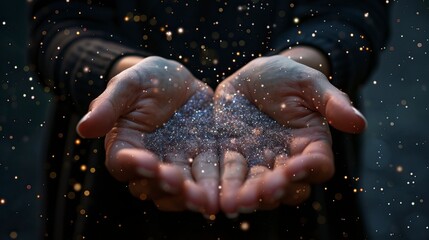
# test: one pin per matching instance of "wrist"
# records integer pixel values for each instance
(311, 57)
(123, 63)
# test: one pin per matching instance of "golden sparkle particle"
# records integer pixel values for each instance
(244, 226)
(13, 235)
(77, 187)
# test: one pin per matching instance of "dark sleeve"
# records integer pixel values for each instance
(350, 33)
(73, 45)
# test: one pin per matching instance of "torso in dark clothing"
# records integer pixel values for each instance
(211, 38)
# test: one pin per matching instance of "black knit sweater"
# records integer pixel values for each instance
(74, 43)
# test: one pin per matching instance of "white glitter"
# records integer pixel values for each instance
(242, 127)
(233, 123)
(189, 131)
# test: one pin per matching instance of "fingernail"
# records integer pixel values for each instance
(361, 115)
(168, 188)
(84, 118)
(145, 173)
(299, 176)
(231, 215)
(79, 133)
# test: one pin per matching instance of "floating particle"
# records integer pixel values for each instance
(296, 20)
(13, 235)
(399, 169)
(77, 187)
(83, 167)
(244, 226)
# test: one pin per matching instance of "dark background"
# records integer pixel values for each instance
(395, 163)
(395, 176)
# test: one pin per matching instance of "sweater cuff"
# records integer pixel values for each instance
(349, 58)
(87, 63)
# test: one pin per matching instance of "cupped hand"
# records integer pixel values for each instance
(156, 119)
(273, 119)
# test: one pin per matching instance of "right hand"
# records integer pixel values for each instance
(139, 101)
(265, 164)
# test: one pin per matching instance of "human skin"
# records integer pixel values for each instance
(140, 99)
(122, 113)
(303, 100)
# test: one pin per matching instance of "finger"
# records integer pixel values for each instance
(130, 163)
(314, 165)
(250, 193)
(337, 108)
(181, 162)
(106, 109)
(277, 189)
(171, 179)
(233, 173)
(170, 192)
(194, 196)
(343, 116)
(301, 139)
(273, 187)
(205, 169)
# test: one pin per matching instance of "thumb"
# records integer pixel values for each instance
(104, 112)
(342, 115)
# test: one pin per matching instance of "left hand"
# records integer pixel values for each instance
(303, 103)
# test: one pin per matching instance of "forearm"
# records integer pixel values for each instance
(350, 34)
(74, 54)
(123, 63)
